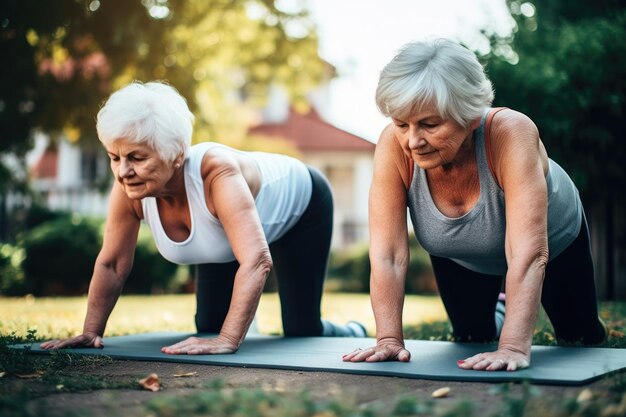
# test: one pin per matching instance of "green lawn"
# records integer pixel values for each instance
(424, 316)
(63, 316)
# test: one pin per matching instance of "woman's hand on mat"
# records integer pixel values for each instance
(388, 349)
(84, 340)
(500, 360)
(201, 346)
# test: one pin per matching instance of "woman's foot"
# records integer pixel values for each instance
(500, 313)
(350, 329)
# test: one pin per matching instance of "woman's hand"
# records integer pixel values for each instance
(200, 346)
(385, 350)
(500, 360)
(86, 339)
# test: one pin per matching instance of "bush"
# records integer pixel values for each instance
(349, 270)
(151, 272)
(59, 257)
(12, 280)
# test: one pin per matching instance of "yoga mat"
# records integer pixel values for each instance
(430, 359)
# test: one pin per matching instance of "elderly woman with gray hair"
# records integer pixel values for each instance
(236, 215)
(485, 201)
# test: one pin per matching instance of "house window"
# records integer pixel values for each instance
(93, 165)
(341, 180)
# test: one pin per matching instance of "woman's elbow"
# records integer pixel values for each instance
(116, 268)
(264, 263)
(541, 258)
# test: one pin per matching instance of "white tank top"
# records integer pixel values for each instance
(284, 195)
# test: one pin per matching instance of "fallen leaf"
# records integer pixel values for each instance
(186, 375)
(151, 383)
(60, 387)
(441, 392)
(585, 395)
(616, 333)
(2, 374)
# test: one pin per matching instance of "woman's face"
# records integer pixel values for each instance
(139, 169)
(431, 140)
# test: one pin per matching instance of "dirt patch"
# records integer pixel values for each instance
(111, 388)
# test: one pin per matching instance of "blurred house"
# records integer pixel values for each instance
(69, 177)
(345, 159)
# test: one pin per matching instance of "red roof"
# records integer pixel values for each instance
(310, 133)
(46, 166)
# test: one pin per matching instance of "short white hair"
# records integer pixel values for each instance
(153, 113)
(439, 73)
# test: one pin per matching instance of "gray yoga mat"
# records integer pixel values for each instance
(430, 359)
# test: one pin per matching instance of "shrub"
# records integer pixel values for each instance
(151, 272)
(59, 256)
(12, 280)
(349, 270)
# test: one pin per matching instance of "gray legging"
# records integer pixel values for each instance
(568, 296)
(300, 260)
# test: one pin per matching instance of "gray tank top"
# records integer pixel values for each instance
(476, 239)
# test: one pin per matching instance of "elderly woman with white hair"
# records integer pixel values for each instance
(236, 215)
(485, 202)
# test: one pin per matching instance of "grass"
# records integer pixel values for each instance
(27, 319)
(63, 316)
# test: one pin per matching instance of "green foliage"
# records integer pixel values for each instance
(12, 280)
(217, 401)
(16, 361)
(565, 67)
(151, 272)
(412, 406)
(60, 255)
(437, 330)
(56, 257)
(67, 56)
(349, 270)
(612, 313)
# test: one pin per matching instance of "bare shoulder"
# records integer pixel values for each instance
(388, 138)
(516, 145)
(219, 160)
(390, 154)
(511, 123)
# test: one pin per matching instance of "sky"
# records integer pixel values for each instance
(358, 37)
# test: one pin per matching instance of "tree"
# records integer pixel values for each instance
(565, 67)
(67, 56)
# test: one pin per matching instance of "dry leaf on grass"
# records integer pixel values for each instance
(151, 383)
(186, 375)
(441, 392)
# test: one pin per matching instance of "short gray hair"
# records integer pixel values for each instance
(153, 113)
(436, 72)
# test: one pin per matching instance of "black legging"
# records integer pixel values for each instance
(300, 259)
(568, 296)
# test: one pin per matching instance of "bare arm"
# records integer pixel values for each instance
(234, 206)
(236, 210)
(389, 252)
(111, 268)
(520, 163)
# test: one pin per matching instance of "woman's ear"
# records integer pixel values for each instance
(178, 162)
